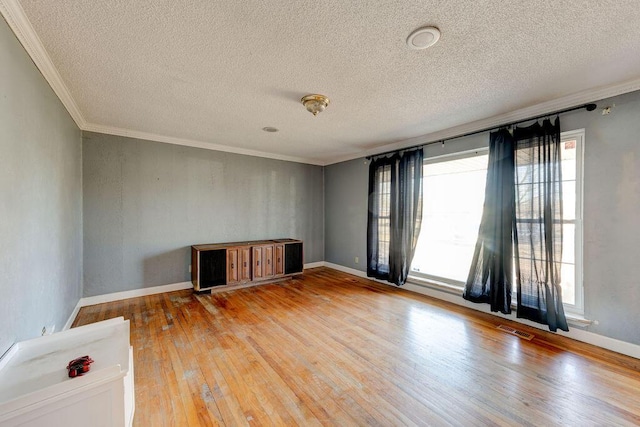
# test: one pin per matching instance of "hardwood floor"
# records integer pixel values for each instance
(329, 348)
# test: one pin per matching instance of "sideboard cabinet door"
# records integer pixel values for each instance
(232, 266)
(279, 259)
(267, 253)
(258, 264)
(244, 263)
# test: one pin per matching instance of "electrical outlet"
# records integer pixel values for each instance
(48, 329)
(357, 260)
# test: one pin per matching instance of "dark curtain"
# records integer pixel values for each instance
(538, 233)
(491, 273)
(395, 215)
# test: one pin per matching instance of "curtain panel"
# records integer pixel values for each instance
(539, 224)
(395, 215)
(491, 273)
(520, 234)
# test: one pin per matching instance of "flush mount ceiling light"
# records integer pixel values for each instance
(315, 103)
(423, 38)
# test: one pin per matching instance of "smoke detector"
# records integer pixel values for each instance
(423, 38)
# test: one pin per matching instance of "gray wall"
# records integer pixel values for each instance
(346, 187)
(41, 200)
(611, 216)
(611, 212)
(146, 203)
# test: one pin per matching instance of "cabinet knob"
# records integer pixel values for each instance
(245, 263)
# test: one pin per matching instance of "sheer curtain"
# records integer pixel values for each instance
(521, 226)
(491, 273)
(395, 215)
(539, 223)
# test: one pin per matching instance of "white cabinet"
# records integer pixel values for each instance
(35, 389)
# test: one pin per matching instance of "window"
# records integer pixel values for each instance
(383, 179)
(453, 197)
(571, 269)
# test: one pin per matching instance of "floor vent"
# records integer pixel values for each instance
(525, 335)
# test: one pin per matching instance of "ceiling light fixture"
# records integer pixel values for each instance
(270, 129)
(315, 103)
(423, 38)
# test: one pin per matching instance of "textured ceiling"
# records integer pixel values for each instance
(218, 72)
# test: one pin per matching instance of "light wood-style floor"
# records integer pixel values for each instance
(328, 348)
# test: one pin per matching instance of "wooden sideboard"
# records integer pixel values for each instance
(236, 264)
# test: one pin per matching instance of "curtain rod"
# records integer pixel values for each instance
(588, 107)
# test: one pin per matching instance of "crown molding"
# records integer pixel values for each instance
(15, 16)
(582, 97)
(90, 127)
(19, 23)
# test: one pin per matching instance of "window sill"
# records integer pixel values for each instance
(435, 284)
(573, 319)
(577, 320)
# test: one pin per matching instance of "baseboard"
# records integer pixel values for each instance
(314, 264)
(117, 296)
(577, 334)
(349, 270)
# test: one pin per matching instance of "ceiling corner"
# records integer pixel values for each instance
(109, 130)
(19, 23)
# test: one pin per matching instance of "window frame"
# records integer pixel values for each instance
(576, 309)
(579, 136)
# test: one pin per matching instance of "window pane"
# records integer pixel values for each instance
(383, 209)
(569, 200)
(383, 240)
(453, 195)
(568, 153)
(569, 243)
(568, 275)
